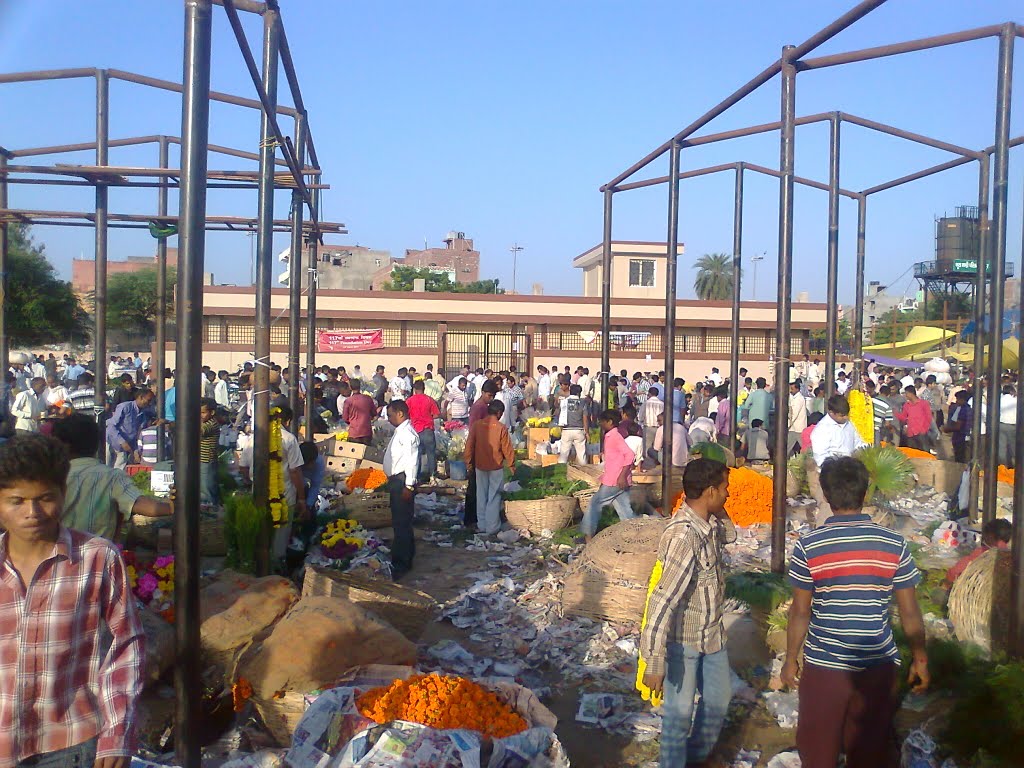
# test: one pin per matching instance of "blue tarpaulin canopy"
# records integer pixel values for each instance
(1011, 321)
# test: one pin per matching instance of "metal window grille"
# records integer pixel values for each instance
(241, 333)
(687, 341)
(421, 337)
(753, 345)
(719, 343)
(214, 332)
(279, 334)
(641, 273)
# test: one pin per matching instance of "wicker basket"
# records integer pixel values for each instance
(583, 498)
(407, 610)
(144, 530)
(590, 593)
(282, 714)
(979, 603)
(628, 550)
(535, 515)
(370, 510)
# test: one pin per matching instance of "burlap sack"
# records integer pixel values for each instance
(159, 644)
(316, 642)
(235, 609)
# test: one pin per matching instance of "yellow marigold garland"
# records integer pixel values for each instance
(862, 415)
(442, 701)
(278, 507)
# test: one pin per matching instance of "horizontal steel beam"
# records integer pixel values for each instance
(125, 184)
(934, 169)
(894, 49)
(249, 6)
(169, 85)
(46, 74)
(18, 215)
(909, 136)
(753, 130)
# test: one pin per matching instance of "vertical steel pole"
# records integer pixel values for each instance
(858, 303)
(99, 340)
(311, 332)
(264, 276)
(606, 297)
(295, 289)
(161, 307)
(832, 280)
(785, 298)
(979, 336)
(5, 352)
(737, 276)
(195, 119)
(671, 264)
(1000, 167)
(1016, 644)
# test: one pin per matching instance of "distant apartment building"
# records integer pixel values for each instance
(638, 269)
(83, 271)
(358, 268)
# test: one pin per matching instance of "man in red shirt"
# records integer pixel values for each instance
(916, 415)
(71, 655)
(359, 412)
(422, 412)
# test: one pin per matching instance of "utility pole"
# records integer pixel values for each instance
(516, 248)
(753, 283)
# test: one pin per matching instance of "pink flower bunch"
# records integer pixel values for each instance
(146, 587)
(453, 425)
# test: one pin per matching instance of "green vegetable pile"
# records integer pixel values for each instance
(543, 482)
(143, 481)
(761, 590)
(243, 522)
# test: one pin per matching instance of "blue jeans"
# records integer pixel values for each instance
(606, 494)
(79, 756)
(689, 731)
(209, 486)
(428, 455)
(488, 500)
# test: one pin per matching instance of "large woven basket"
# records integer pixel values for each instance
(281, 714)
(144, 530)
(583, 497)
(593, 594)
(628, 550)
(535, 515)
(979, 603)
(407, 610)
(371, 510)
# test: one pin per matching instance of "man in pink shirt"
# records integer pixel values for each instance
(917, 416)
(615, 482)
(359, 412)
(422, 412)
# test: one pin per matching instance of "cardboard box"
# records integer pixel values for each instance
(365, 464)
(161, 482)
(325, 443)
(548, 460)
(357, 451)
(342, 465)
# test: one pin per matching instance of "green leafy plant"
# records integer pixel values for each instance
(243, 522)
(797, 466)
(889, 470)
(143, 481)
(457, 448)
(762, 590)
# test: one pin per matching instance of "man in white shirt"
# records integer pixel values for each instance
(842, 383)
(29, 407)
(585, 383)
(797, 416)
(1008, 427)
(813, 375)
(401, 464)
(399, 387)
(220, 390)
(653, 407)
(54, 393)
(680, 443)
(715, 377)
(834, 435)
(906, 381)
(543, 384)
(113, 369)
(38, 369)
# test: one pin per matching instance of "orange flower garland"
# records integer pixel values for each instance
(1005, 475)
(441, 701)
(913, 453)
(750, 497)
(370, 479)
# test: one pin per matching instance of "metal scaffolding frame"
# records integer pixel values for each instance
(790, 63)
(193, 179)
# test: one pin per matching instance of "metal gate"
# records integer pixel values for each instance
(497, 351)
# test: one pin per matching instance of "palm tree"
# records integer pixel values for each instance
(714, 277)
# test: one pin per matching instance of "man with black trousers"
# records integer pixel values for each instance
(401, 464)
(488, 390)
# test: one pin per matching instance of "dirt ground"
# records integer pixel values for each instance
(443, 573)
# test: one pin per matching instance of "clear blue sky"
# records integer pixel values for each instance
(502, 120)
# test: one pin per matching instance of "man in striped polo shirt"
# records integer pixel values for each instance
(844, 575)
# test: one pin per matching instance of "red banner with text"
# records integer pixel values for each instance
(349, 341)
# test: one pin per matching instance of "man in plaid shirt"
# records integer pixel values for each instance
(683, 641)
(70, 639)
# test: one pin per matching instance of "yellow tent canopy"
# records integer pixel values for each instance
(921, 338)
(1011, 354)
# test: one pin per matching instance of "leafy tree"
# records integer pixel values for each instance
(402, 279)
(41, 308)
(844, 336)
(887, 333)
(714, 277)
(132, 302)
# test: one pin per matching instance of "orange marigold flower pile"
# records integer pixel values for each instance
(370, 479)
(444, 702)
(750, 497)
(1005, 475)
(913, 453)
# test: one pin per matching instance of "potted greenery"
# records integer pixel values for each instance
(890, 474)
